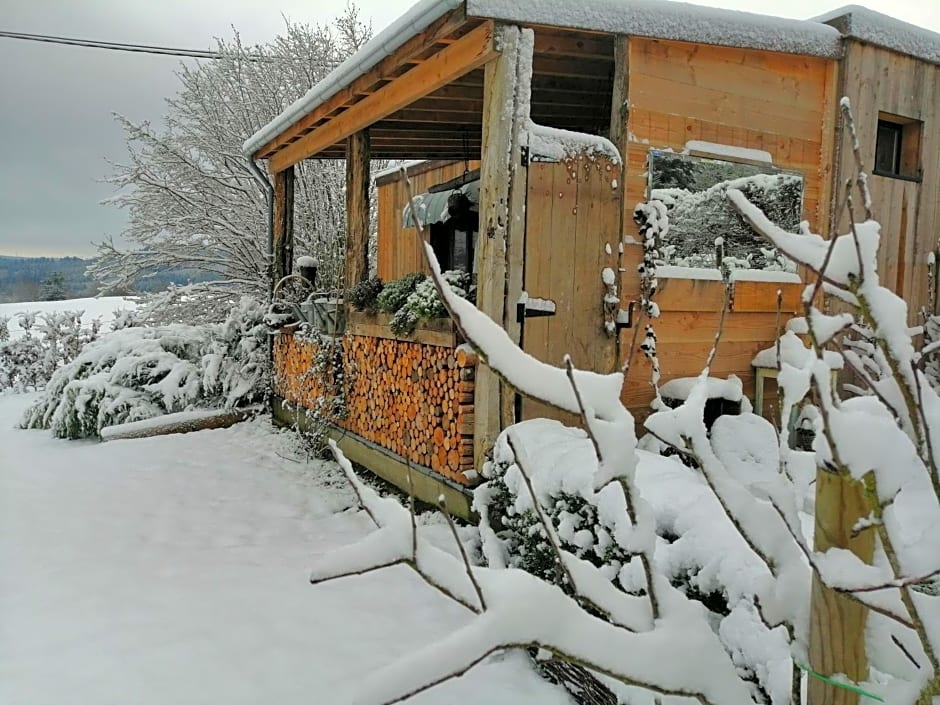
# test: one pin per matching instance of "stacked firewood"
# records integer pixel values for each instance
(413, 399)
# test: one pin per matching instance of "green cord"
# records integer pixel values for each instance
(839, 684)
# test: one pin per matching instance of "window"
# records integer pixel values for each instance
(897, 147)
(694, 191)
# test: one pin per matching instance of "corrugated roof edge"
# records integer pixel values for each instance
(875, 28)
(661, 19)
(416, 20)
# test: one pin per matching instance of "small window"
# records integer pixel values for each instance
(897, 147)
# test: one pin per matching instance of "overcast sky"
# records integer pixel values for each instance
(56, 128)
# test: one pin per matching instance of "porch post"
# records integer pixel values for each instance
(502, 229)
(837, 624)
(357, 208)
(283, 223)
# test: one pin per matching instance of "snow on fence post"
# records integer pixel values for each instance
(837, 623)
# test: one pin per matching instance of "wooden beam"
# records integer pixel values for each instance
(461, 57)
(499, 175)
(283, 222)
(566, 43)
(609, 354)
(357, 208)
(429, 37)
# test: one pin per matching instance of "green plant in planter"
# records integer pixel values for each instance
(364, 296)
(395, 293)
(424, 304)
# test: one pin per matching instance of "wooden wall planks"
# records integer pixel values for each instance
(879, 80)
(399, 250)
(779, 103)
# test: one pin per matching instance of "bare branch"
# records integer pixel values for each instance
(442, 503)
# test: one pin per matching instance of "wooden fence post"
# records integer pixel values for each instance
(357, 208)
(837, 624)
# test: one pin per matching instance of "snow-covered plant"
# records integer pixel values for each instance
(885, 441)
(653, 636)
(142, 372)
(698, 217)
(49, 340)
(629, 637)
(333, 379)
(193, 201)
(4, 328)
(126, 318)
(930, 352)
(414, 298)
(395, 293)
(364, 295)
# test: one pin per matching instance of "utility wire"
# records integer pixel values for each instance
(116, 46)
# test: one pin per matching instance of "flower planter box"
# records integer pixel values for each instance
(440, 331)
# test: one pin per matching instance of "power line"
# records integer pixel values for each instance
(121, 46)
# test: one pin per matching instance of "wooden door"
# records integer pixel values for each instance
(572, 233)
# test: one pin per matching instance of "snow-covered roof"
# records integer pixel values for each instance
(661, 19)
(383, 44)
(875, 28)
(677, 21)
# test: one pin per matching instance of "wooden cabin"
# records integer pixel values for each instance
(573, 113)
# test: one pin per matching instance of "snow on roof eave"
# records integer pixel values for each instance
(677, 21)
(888, 32)
(413, 22)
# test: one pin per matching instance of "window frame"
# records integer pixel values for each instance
(907, 153)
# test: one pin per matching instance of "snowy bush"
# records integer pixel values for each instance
(740, 521)
(395, 293)
(364, 295)
(49, 340)
(126, 318)
(414, 298)
(139, 373)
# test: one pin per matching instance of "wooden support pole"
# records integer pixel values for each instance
(837, 624)
(501, 152)
(283, 222)
(357, 208)
(609, 350)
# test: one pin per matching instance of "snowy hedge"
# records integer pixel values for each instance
(698, 549)
(138, 373)
(49, 339)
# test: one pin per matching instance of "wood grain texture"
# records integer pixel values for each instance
(283, 223)
(572, 215)
(399, 248)
(681, 92)
(879, 80)
(837, 624)
(357, 208)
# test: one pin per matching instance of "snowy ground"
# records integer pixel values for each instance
(174, 570)
(102, 308)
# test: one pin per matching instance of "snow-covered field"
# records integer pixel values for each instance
(102, 308)
(174, 570)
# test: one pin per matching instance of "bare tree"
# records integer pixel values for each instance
(193, 202)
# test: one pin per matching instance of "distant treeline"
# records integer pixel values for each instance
(21, 278)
